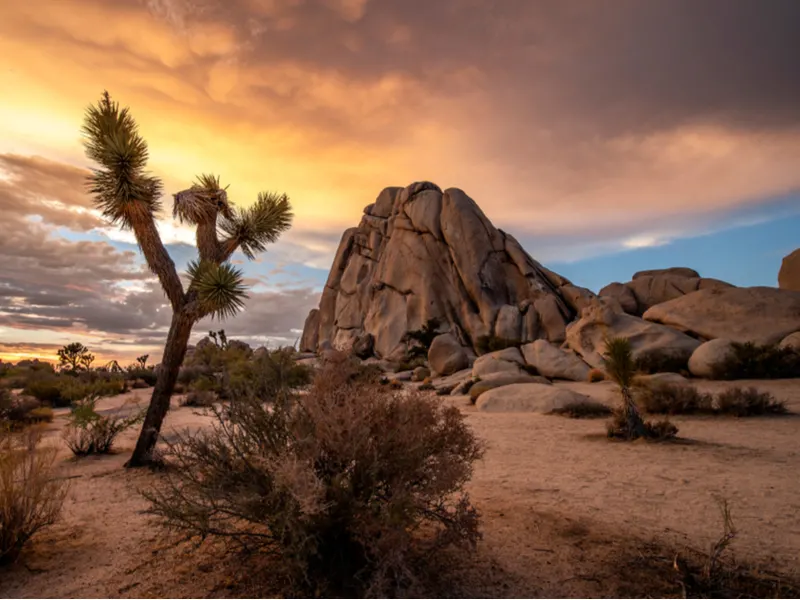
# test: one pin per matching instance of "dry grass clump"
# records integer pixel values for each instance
(352, 485)
(596, 375)
(30, 498)
(584, 410)
(717, 574)
(89, 432)
(687, 400)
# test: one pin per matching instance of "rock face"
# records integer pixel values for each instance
(420, 254)
(761, 315)
(789, 275)
(446, 356)
(502, 361)
(310, 337)
(605, 318)
(555, 363)
(709, 356)
(528, 397)
(649, 288)
(791, 341)
(496, 380)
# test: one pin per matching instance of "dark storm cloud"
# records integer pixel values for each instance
(612, 66)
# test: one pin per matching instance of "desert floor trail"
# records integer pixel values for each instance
(564, 508)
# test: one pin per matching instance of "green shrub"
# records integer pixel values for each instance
(60, 391)
(30, 497)
(751, 361)
(199, 399)
(149, 376)
(661, 361)
(89, 432)
(269, 376)
(351, 484)
(491, 343)
(188, 374)
(584, 410)
(410, 363)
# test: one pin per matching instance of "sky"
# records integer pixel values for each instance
(608, 137)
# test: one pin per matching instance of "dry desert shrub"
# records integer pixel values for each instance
(30, 498)
(352, 485)
(584, 410)
(753, 361)
(596, 375)
(748, 402)
(687, 400)
(89, 432)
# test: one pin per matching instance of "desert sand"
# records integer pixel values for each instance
(566, 512)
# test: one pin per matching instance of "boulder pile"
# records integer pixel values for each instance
(424, 260)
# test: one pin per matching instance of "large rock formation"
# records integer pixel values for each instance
(420, 254)
(789, 275)
(649, 288)
(762, 315)
(605, 318)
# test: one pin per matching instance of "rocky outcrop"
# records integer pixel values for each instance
(496, 380)
(649, 288)
(605, 318)
(791, 341)
(789, 275)
(528, 397)
(709, 357)
(509, 360)
(762, 315)
(446, 356)
(554, 362)
(310, 337)
(420, 253)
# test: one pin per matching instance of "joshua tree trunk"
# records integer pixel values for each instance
(174, 352)
(634, 420)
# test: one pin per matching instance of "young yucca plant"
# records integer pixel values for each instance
(621, 368)
(130, 197)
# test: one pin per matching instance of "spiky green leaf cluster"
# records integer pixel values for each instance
(122, 190)
(262, 223)
(220, 288)
(619, 362)
(202, 202)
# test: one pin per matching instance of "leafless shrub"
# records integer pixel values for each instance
(351, 484)
(30, 498)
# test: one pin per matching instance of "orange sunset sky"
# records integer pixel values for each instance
(589, 130)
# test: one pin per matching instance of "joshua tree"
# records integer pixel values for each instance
(621, 367)
(142, 361)
(130, 197)
(219, 337)
(75, 356)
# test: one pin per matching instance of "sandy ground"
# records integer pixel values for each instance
(565, 510)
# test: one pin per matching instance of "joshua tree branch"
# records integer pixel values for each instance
(159, 261)
(208, 245)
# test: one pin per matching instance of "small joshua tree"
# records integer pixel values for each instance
(74, 357)
(142, 361)
(130, 197)
(621, 368)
